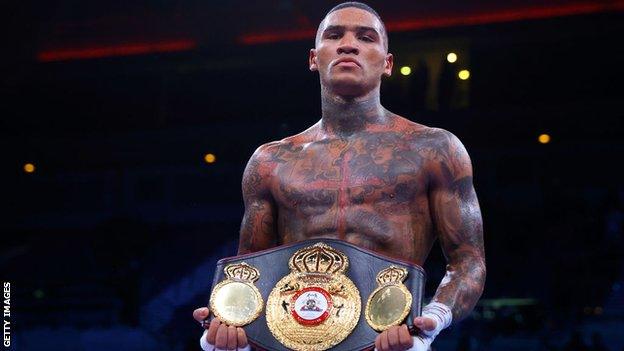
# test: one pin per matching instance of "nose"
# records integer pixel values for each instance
(348, 45)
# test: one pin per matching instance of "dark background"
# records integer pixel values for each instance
(111, 242)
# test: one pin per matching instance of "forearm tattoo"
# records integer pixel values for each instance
(459, 225)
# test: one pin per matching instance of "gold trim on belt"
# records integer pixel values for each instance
(390, 302)
(315, 306)
(236, 300)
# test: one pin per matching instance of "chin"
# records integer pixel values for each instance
(347, 86)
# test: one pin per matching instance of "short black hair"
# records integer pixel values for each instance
(359, 5)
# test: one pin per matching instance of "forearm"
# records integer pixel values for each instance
(461, 287)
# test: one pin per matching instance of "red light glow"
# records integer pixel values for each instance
(467, 19)
(115, 50)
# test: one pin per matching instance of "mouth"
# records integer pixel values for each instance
(347, 62)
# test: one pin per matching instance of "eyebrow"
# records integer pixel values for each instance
(357, 29)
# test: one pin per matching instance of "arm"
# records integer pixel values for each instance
(258, 229)
(457, 219)
(257, 232)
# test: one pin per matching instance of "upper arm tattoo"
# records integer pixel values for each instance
(459, 225)
(258, 229)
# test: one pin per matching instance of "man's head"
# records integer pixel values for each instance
(357, 5)
(351, 52)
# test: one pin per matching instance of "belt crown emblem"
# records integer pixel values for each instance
(242, 272)
(392, 274)
(319, 258)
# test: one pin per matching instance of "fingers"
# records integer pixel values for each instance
(424, 323)
(395, 338)
(232, 336)
(212, 331)
(225, 337)
(241, 338)
(378, 342)
(219, 334)
(221, 340)
(385, 346)
(405, 339)
(201, 313)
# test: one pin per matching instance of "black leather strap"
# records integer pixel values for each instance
(363, 268)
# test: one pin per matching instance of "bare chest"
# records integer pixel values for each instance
(377, 170)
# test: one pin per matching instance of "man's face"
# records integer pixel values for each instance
(350, 53)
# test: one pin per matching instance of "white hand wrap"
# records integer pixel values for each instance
(443, 316)
(206, 346)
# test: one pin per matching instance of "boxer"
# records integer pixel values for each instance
(367, 176)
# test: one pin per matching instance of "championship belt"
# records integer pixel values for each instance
(319, 294)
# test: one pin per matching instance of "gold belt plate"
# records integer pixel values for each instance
(236, 300)
(391, 301)
(316, 306)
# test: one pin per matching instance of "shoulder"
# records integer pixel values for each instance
(440, 139)
(425, 137)
(256, 177)
(447, 157)
(262, 163)
(277, 150)
(443, 152)
(265, 152)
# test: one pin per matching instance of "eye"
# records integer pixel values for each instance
(367, 38)
(333, 36)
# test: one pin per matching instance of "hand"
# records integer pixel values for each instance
(425, 324)
(394, 338)
(398, 338)
(219, 334)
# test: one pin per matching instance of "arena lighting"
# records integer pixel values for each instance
(125, 49)
(29, 168)
(406, 70)
(210, 158)
(516, 13)
(464, 74)
(451, 57)
(543, 138)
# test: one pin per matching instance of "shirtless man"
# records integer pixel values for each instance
(368, 176)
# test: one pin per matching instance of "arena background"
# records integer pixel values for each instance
(114, 218)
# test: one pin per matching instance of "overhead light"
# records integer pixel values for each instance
(543, 138)
(210, 158)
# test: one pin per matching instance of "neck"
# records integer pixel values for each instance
(343, 116)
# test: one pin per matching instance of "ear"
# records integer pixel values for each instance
(312, 60)
(389, 63)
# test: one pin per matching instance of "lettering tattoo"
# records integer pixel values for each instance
(393, 187)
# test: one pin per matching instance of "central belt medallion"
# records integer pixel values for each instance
(316, 306)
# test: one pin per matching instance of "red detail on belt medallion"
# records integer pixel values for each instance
(311, 305)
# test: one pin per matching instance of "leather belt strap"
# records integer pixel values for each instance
(363, 268)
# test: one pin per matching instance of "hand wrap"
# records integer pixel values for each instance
(443, 317)
(206, 346)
